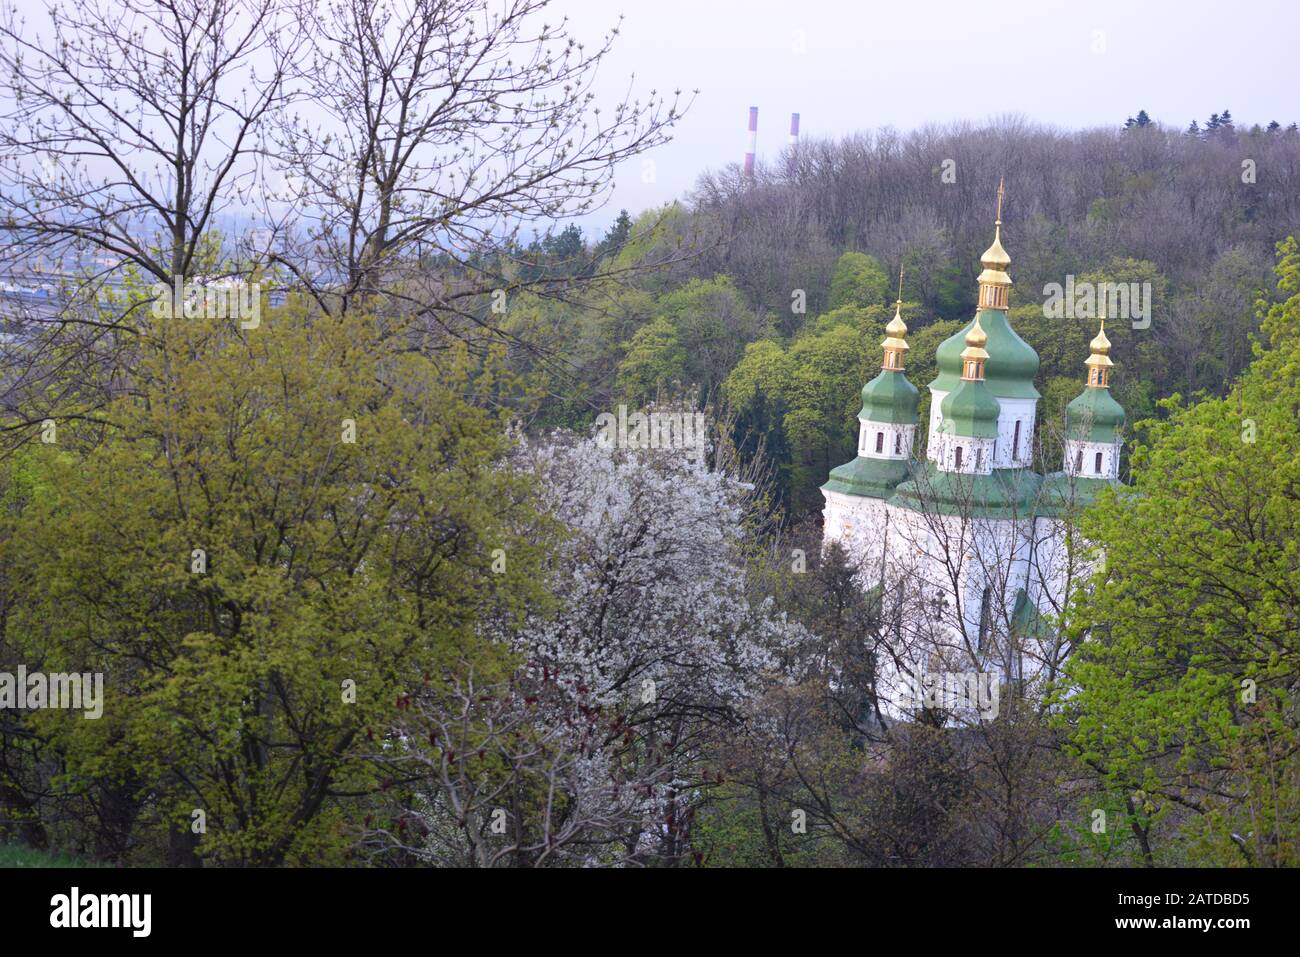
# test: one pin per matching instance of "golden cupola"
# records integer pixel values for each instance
(994, 283)
(974, 355)
(894, 344)
(1098, 362)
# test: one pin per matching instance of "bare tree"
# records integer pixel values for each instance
(134, 133)
(440, 127)
(129, 129)
(507, 773)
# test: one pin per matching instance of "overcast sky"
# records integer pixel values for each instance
(847, 66)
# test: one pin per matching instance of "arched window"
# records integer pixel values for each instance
(880, 442)
(1097, 468)
(1015, 443)
(979, 459)
(898, 443)
(958, 456)
(1078, 463)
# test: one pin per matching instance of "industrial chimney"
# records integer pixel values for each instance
(753, 141)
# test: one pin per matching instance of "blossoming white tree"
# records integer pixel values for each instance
(593, 751)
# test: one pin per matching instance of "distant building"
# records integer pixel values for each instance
(967, 549)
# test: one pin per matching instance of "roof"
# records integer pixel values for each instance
(1007, 493)
(1093, 416)
(1065, 494)
(970, 410)
(1011, 366)
(1026, 620)
(873, 478)
(890, 398)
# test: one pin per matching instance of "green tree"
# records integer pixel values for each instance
(282, 532)
(859, 280)
(699, 334)
(1182, 696)
(616, 236)
(655, 362)
(805, 397)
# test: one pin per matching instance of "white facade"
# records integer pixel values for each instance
(1015, 433)
(884, 440)
(949, 585)
(1093, 460)
(962, 454)
(1014, 446)
(936, 418)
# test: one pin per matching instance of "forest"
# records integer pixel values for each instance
(367, 585)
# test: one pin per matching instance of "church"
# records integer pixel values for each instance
(968, 553)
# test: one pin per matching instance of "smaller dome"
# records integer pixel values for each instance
(890, 398)
(971, 410)
(1093, 416)
(976, 340)
(1100, 347)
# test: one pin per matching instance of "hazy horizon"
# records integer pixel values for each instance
(848, 69)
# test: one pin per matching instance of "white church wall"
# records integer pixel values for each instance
(936, 418)
(896, 441)
(1081, 459)
(934, 569)
(1010, 453)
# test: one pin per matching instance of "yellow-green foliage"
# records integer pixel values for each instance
(1183, 695)
(327, 561)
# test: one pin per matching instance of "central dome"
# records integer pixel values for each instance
(1011, 365)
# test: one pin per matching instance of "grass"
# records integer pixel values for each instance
(16, 855)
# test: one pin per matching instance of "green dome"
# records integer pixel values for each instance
(971, 411)
(1012, 362)
(1094, 416)
(890, 398)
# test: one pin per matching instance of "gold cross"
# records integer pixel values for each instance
(900, 282)
(1001, 193)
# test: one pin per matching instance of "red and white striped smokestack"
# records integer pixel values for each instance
(794, 129)
(753, 141)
